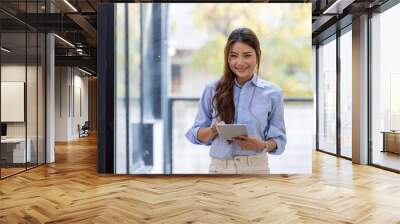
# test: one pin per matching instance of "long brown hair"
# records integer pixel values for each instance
(223, 98)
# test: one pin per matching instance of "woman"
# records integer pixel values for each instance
(241, 97)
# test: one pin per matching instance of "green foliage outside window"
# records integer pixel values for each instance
(284, 31)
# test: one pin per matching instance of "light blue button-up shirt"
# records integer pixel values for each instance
(262, 114)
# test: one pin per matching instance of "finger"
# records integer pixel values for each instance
(240, 138)
(244, 138)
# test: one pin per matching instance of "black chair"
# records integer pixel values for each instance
(84, 130)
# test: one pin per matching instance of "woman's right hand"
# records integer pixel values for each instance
(214, 129)
(209, 133)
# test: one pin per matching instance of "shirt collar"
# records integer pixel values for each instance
(237, 84)
(255, 80)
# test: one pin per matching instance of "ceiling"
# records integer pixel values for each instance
(72, 20)
(328, 16)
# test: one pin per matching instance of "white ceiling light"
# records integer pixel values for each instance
(86, 72)
(70, 5)
(65, 41)
(337, 7)
(5, 50)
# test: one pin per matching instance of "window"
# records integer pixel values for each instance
(327, 96)
(346, 94)
(176, 49)
(22, 74)
(385, 84)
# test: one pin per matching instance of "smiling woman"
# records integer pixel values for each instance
(240, 97)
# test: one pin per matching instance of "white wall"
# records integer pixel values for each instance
(80, 115)
(61, 103)
(71, 94)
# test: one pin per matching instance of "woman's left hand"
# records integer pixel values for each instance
(249, 143)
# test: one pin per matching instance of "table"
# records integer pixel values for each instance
(13, 150)
(391, 141)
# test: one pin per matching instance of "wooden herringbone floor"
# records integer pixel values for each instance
(70, 191)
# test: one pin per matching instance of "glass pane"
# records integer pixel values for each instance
(193, 48)
(197, 40)
(327, 97)
(134, 87)
(386, 89)
(189, 158)
(346, 94)
(31, 97)
(41, 99)
(32, 84)
(120, 94)
(138, 72)
(14, 153)
(196, 48)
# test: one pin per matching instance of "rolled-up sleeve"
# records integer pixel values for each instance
(203, 117)
(276, 124)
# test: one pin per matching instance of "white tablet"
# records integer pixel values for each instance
(229, 131)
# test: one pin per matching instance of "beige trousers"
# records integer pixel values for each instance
(257, 164)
